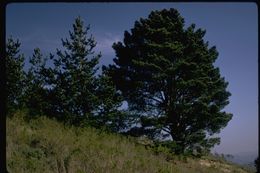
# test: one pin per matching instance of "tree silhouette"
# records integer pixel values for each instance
(15, 75)
(165, 72)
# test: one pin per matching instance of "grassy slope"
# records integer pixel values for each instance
(44, 145)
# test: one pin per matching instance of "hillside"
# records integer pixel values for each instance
(44, 145)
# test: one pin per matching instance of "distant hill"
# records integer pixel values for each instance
(245, 158)
(45, 145)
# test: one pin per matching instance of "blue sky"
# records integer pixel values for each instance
(232, 27)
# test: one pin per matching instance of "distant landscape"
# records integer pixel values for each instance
(245, 159)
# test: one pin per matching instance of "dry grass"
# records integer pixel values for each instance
(44, 145)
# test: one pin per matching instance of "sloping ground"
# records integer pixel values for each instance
(222, 167)
(44, 145)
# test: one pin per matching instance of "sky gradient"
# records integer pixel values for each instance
(232, 27)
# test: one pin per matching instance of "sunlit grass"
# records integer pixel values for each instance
(45, 145)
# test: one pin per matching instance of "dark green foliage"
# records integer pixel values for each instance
(37, 78)
(65, 86)
(108, 113)
(15, 75)
(74, 83)
(166, 73)
(71, 91)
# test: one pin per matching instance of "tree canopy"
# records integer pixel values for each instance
(166, 73)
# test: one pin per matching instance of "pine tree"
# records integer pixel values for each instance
(15, 75)
(165, 72)
(74, 83)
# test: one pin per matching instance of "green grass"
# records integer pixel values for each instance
(45, 145)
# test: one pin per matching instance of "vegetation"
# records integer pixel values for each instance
(16, 76)
(74, 81)
(166, 74)
(45, 145)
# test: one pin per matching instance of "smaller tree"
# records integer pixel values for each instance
(15, 75)
(37, 79)
(74, 83)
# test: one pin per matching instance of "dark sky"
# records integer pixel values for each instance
(232, 27)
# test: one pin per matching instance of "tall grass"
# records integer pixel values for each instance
(43, 145)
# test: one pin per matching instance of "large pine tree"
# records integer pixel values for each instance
(165, 72)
